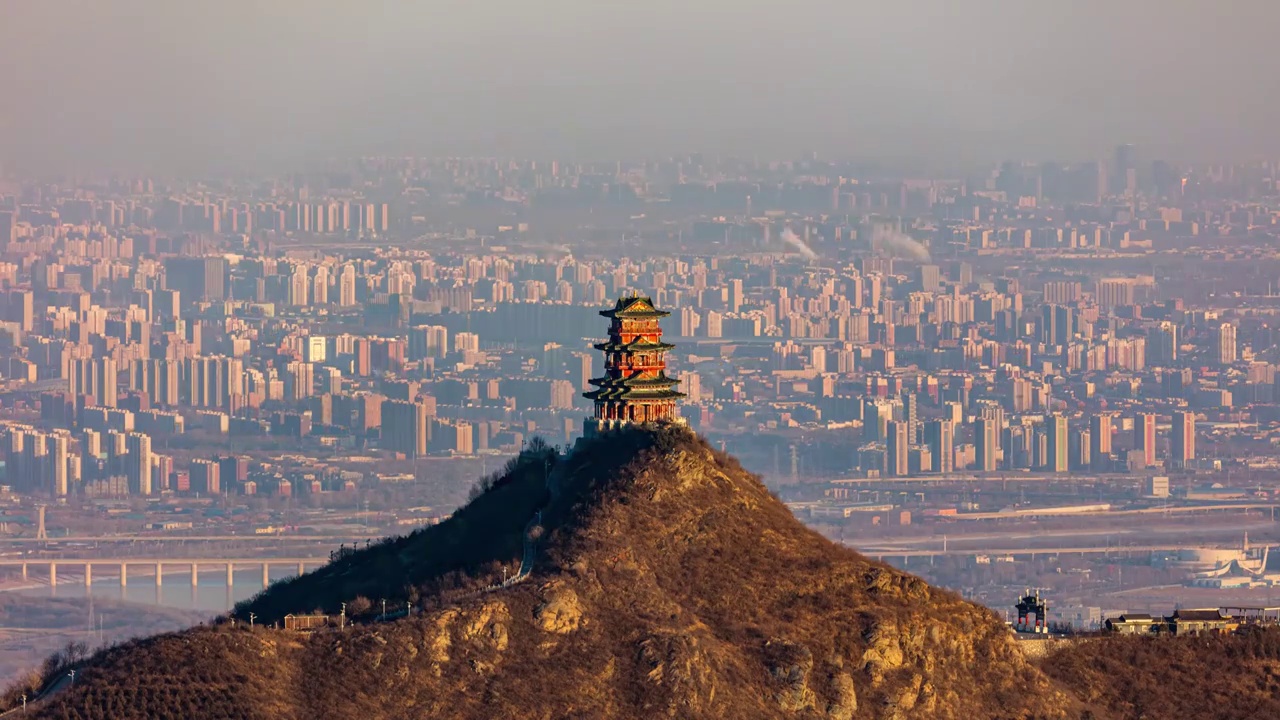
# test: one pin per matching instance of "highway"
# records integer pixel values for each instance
(1190, 535)
(162, 565)
(1067, 512)
(311, 560)
(948, 479)
(37, 386)
(1030, 552)
(285, 537)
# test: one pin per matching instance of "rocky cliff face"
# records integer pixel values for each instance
(667, 582)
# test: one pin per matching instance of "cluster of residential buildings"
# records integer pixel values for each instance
(1020, 320)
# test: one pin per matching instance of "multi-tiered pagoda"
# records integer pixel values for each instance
(635, 387)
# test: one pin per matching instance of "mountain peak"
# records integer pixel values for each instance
(648, 575)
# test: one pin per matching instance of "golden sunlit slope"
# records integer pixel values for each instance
(664, 581)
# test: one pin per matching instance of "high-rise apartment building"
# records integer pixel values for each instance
(300, 380)
(1163, 345)
(1225, 344)
(1081, 448)
(986, 436)
(347, 286)
(8, 227)
(1144, 437)
(897, 449)
(928, 278)
(138, 463)
(454, 437)
(206, 476)
(1100, 441)
(1057, 324)
(428, 341)
(1182, 439)
(157, 379)
(197, 278)
(939, 436)
(466, 342)
(314, 349)
(95, 377)
(405, 427)
(1113, 292)
(1124, 179)
(1059, 444)
(299, 287)
(91, 444)
(19, 307)
(167, 304)
(214, 381)
(320, 286)
(58, 456)
(1022, 395)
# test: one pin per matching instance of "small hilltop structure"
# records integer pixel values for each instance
(1033, 614)
(635, 388)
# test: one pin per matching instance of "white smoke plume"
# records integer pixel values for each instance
(899, 245)
(794, 241)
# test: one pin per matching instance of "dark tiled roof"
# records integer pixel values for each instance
(634, 345)
(1197, 615)
(624, 393)
(634, 307)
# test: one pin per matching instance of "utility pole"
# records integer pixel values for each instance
(342, 618)
(384, 608)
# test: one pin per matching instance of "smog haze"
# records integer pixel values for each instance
(192, 86)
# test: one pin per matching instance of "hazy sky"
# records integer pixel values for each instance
(189, 85)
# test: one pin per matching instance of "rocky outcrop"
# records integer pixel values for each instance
(900, 703)
(884, 652)
(789, 668)
(488, 626)
(560, 612)
(439, 639)
(844, 696)
(678, 667)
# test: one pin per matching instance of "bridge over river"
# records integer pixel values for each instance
(158, 567)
